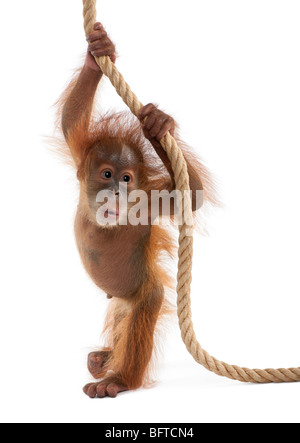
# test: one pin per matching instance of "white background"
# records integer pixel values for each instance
(229, 72)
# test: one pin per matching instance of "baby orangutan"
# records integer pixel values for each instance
(122, 260)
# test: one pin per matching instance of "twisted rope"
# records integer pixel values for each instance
(185, 251)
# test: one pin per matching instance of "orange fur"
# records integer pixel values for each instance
(125, 262)
(149, 309)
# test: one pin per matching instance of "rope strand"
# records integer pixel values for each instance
(185, 251)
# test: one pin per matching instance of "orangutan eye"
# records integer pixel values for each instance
(127, 178)
(107, 174)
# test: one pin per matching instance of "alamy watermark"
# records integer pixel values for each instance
(138, 207)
